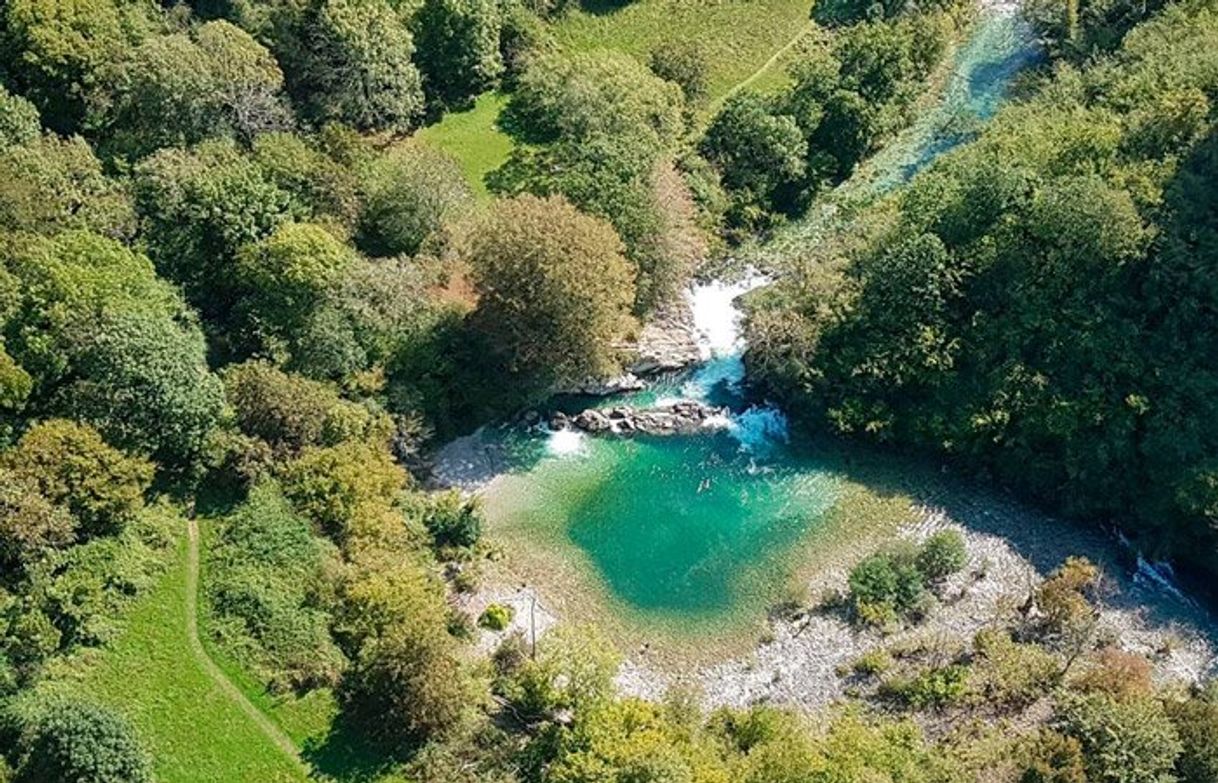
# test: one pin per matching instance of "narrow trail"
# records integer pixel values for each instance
(273, 733)
(767, 65)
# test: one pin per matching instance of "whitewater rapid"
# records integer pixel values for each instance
(719, 324)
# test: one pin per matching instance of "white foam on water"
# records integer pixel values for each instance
(717, 321)
(719, 421)
(1160, 576)
(716, 317)
(565, 442)
(760, 428)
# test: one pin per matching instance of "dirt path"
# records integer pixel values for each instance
(272, 732)
(767, 65)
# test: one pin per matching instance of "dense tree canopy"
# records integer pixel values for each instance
(554, 289)
(233, 292)
(1037, 302)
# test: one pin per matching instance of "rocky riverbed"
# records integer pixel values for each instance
(799, 660)
(683, 417)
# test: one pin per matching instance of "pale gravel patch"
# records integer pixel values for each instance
(798, 668)
(529, 614)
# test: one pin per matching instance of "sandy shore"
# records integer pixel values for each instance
(1010, 548)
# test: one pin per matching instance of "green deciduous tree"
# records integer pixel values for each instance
(143, 381)
(49, 185)
(82, 742)
(285, 277)
(72, 466)
(181, 88)
(580, 96)
(65, 55)
(458, 47)
(359, 67)
(107, 342)
(410, 192)
(554, 290)
(198, 208)
(757, 150)
(292, 413)
(684, 63)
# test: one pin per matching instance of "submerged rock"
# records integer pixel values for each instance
(679, 418)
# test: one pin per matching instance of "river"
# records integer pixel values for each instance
(700, 527)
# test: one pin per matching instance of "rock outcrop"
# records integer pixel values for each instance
(667, 342)
(679, 418)
(603, 388)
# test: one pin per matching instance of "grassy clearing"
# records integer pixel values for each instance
(738, 36)
(473, 138)
(747, 43)
(195, 732)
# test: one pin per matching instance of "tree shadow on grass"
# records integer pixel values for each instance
(347, 754)
(603, 7)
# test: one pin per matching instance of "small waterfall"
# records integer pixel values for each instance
(719, 321)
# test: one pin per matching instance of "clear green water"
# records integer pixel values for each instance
(689, 525)
(708, 526)
(1000, 47)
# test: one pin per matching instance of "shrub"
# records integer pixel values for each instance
(1050, 757)
(453, 520)
(496, 617)
(886, 583)
(1119, 674)
(29, 524)
(934, 688)
(1009, 673)
(267, 589)
(1131, 741)
(684, 63)
(81, 742)
(942, 555)
(72, 466)
(872, 663)
(873, 581)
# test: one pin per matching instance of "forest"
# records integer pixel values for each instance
(244, 298)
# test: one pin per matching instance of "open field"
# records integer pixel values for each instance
(193, 728)
(748, 43)
(473, 138)
(738, 37)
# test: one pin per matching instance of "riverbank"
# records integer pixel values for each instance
(794, 659)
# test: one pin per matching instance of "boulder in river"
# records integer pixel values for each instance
(679, 418)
